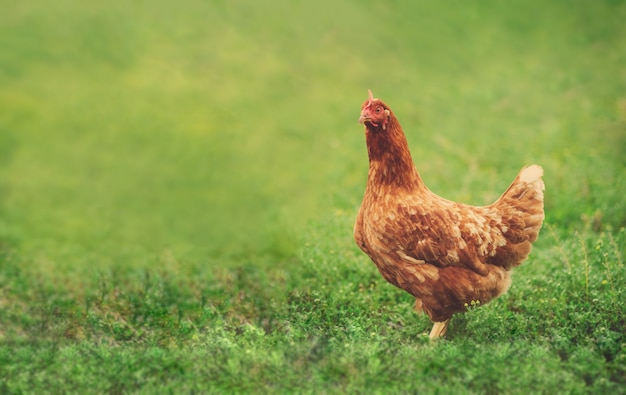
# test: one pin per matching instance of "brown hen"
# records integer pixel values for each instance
(447, 255)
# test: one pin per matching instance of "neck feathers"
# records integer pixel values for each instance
(390, 159)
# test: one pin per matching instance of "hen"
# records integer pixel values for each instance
(447, 255)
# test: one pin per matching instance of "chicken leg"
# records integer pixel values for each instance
(439, 329)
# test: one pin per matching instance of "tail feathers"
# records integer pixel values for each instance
(525, 196)
(531, 175)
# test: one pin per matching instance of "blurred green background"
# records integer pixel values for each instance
(214, 131)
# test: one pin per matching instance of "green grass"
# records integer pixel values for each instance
(178, 184)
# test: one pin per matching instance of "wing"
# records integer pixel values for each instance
(444, 233)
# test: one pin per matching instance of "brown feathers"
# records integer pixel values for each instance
(446, 254)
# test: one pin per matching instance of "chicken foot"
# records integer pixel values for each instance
(439, 329)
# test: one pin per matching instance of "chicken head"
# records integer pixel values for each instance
(374, 112)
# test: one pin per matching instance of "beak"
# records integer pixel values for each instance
(363, 118)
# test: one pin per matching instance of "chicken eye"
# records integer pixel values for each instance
(378, 110)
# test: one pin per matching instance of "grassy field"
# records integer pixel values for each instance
(179, 180)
